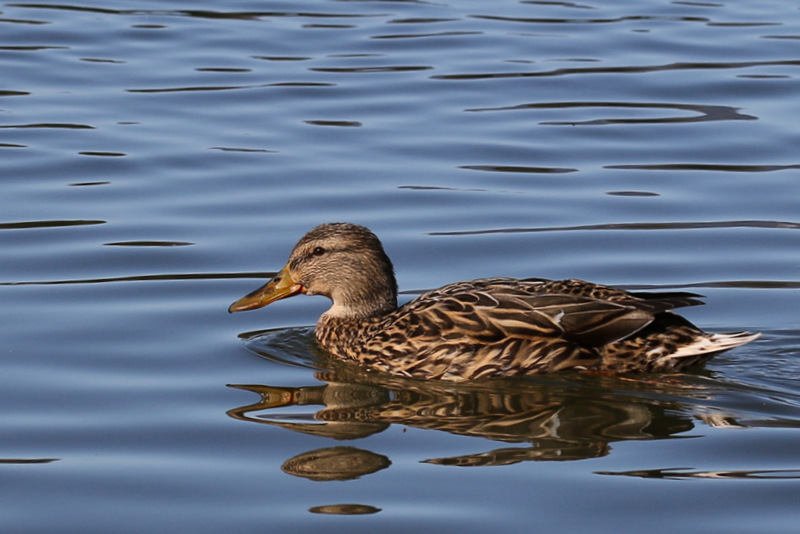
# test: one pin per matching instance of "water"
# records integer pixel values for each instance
(159, 159)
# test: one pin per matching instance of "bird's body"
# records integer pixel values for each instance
(485, 328)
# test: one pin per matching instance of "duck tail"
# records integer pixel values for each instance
(709, 345)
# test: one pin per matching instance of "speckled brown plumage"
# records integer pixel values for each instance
(491, 327)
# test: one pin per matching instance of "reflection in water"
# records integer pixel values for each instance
(557, 417)
(678, 473)
(335, 463)
(561, 418)
(344, 509)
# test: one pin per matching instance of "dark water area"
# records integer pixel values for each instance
(158, 160)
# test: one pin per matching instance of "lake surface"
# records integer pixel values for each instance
(158, 160)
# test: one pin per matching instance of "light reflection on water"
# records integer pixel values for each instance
(153, 155)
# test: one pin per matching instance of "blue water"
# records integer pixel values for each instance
(158, 160)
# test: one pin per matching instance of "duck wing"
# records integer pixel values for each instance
(581, 320)
(583, 313)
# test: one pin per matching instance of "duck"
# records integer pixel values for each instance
(485, 328)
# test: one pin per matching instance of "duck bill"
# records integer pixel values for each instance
(280, 287)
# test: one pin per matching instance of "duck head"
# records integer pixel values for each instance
(342, 261)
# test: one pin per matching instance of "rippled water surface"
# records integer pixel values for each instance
(159, 159)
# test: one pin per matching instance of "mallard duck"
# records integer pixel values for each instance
(485, 328)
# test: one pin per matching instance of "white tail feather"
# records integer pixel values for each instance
(714, 343)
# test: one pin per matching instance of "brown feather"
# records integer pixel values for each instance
(490, 327)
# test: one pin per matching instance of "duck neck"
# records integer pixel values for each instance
(368, 289)
(362, 305)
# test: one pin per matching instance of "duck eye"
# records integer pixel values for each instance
(319, 251)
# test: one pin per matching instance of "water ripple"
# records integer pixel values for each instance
(144, 277)
(217, 88)
(519, 169)
(362, 70)
(425, 35)
(633, 226)
(47, 224)
(28, 460)
(194, 13)
(49, 125)
(613, 20)
(148, 244)
(345, 124)
(705, 167)
(704, 112)
(639, 69)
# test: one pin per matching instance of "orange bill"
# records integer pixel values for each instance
(280, 287)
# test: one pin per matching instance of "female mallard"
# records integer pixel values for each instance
(491, 327)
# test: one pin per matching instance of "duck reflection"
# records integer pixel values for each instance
(559, 418)
(335, 463)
